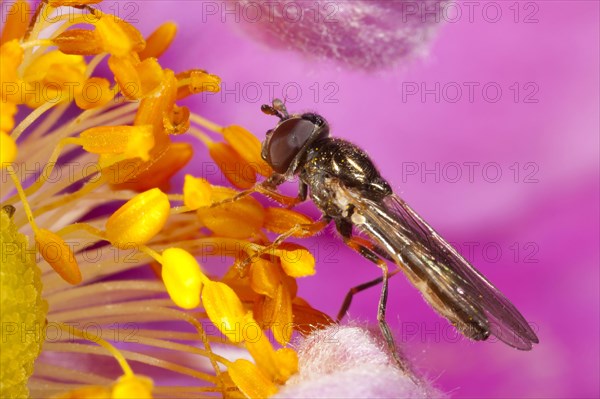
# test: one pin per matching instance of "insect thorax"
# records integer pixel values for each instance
(334, 163)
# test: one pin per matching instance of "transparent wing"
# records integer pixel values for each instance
(446, 280)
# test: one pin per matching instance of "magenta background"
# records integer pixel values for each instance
(559, 294)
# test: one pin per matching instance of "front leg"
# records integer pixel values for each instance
(307, 229)
(269, 188)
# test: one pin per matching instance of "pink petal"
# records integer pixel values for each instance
(347, 362)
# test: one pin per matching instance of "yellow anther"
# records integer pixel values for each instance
(132, 386)
(53, 65)
(151, 75)
(8, 149)
(296, 260)
(239, 219)
(262, 351)
(126, 76)
(112, 170)
(177, 121)
(196, 81)
(287, 360)
(53, 77)
(248, 146)
(159, 41)
(201, 81)
(281, 220)
(278, 365)
(95, 92)
(265, 277)
(134, 35)
(224, 309)
(197, 192)
(139, 219)
(16, 21)
(250, 380)
(235, 168)
(182, 277)
(11, 56)
(153, 109)
(277, 313)
(58, 254)
(137, 79)
(155, 173)
(307, 318)
(117, 36)
(132, 141)
(7, 115)
(79, 42)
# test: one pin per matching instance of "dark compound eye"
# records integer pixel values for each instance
(286, 141)
(319, 121)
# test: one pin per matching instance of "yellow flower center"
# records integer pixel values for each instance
(23, 313)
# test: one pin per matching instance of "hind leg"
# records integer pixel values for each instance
(360, 246)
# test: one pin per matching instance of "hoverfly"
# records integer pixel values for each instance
(344, 184)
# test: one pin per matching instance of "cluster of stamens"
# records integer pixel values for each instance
(110, 143)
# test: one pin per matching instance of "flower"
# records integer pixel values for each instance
(352, 365)
(423, 140)
(364, 34)
(106, 145)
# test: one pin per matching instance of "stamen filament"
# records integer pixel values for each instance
(207, 141)
(206, 123)
(164, 344)
(82, 226)
(80, 293)
(180, 209)
(149, 251)
(190, 391)
(48, 122)
(57, 372)
(23, 198)
(94, 63)
(61, 201)
(29, 119)
(132, 356)
(38, 42)
(49, 167)
(135, 308)
(113, 351)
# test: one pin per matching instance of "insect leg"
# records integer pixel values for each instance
(268, 185)
(236, 197)
(345, 229)
(308, 229)
(269, 188)
(373, 247)
(361, 245)
(289, 202)
(359, 288)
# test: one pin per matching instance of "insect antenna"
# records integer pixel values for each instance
(278, 109)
